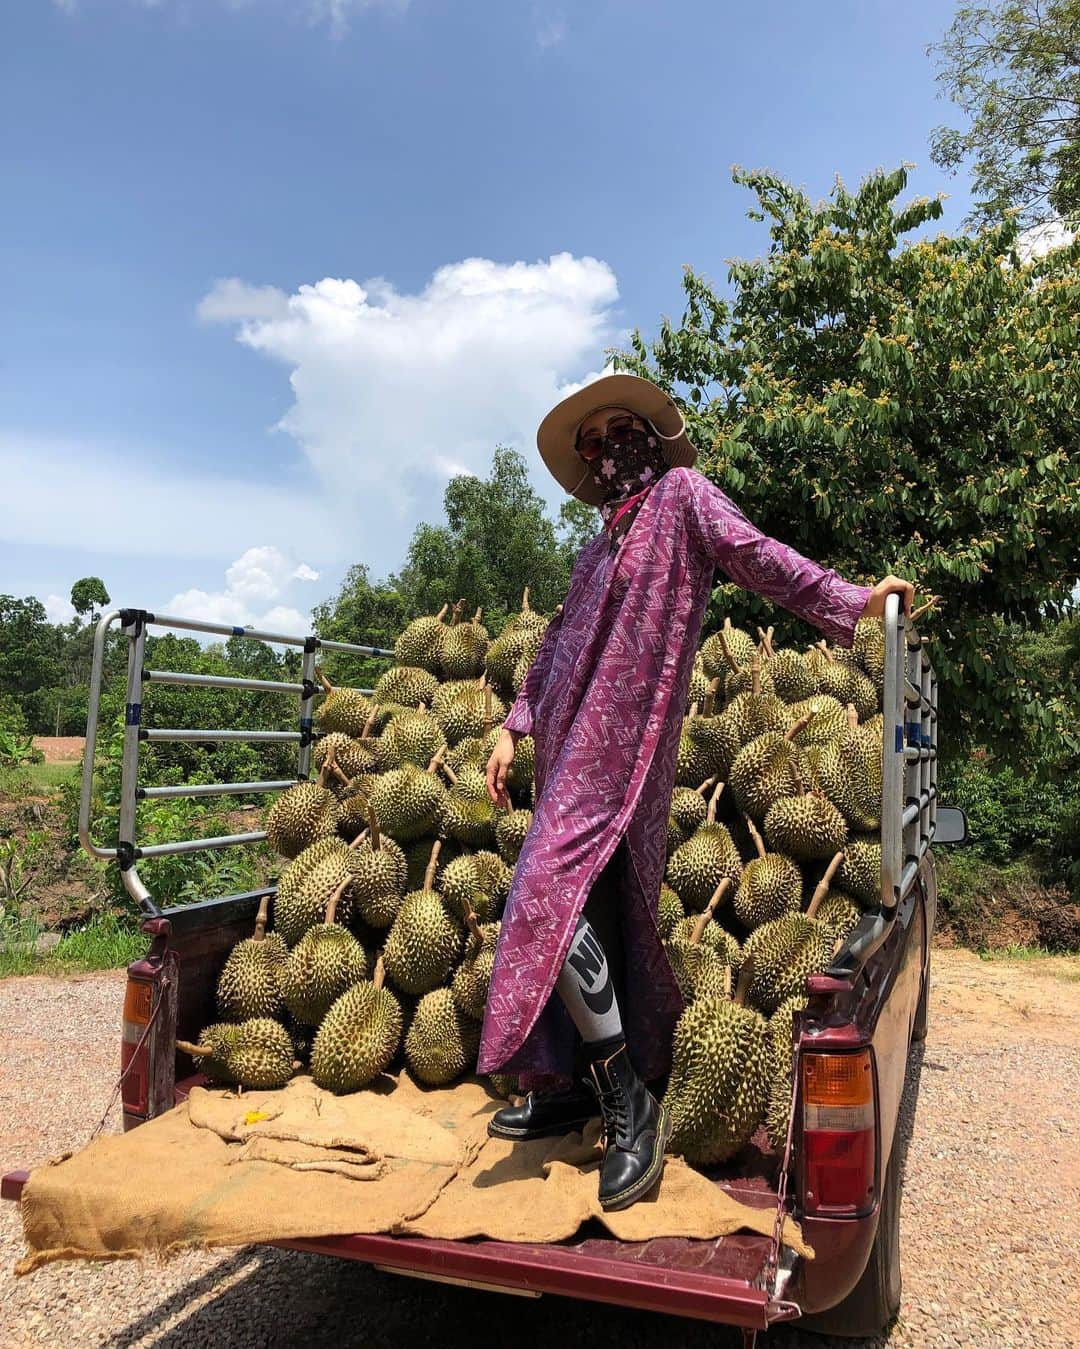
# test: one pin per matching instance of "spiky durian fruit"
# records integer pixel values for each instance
(424, 941)
(697, 867)
(791, 677)
(827, 719)
(691, 763)
(303, 814)
(411, 737)
(770, 886)
(752, 713)
(379, 875)
(480, 880)
(869, 648)
(352, 756)
(688, 811)
(409, 801)
(714, 735)
(669, 911)
(465, 708)
(730, 644)
(359, 1036)
(838, 912)
(464, 647)
(406, 685)
(781, 1056)
(764, 770)
(211, 1054)
(258, 1053)
(293, 875)
(343, 711)
(860, 874)
(786, 951)
(698, 688)
(849, 771)
(719, 1077)
(702, 968)
(468, 812)
(441, 1043)
(420, 644)
(510, 830)
(301, 906)
(472, 978)
(504, 1085)
(250, 981)
(418, 855)
(847, 684)
(806, 826)
(321, 966)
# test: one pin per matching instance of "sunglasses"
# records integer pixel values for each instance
(615, 435)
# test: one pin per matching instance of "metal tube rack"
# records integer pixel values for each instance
(134, 623)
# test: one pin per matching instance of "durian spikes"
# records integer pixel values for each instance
(746, 974)
(752, 829)
(379, 976)
(705, 917)
(725, 648)
(261, 919)
(710, 814)
(489, 718)
(797, 726)
(335, 899)
(433, 862)
(710, 697)
(821, 889)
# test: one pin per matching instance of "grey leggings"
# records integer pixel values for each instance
(587, 982)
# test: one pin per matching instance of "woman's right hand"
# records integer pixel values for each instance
(502, 756)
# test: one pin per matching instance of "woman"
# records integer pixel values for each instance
(604, 700)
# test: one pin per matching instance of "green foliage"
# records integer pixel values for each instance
(105, 943)
(16, 749)
(1008, 812)
(88, 596)
(12, 717)
(366, 613)
(29, 645)
(912, 411)
(1013, 68)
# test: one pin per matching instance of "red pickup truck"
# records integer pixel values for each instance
(841, 1172)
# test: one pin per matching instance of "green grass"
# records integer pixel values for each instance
(36, 779)
(1016, 952)
(104, 944)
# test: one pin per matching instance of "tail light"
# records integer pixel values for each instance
(839, 1133)
(134, 1050)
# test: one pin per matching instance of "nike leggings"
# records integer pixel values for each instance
(587, 981)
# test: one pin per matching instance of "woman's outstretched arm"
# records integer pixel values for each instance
(768, 567)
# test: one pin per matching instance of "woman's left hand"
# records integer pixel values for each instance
(875, 605)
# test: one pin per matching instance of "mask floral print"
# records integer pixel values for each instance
(620, 476)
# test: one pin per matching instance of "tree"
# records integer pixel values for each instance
(366, 613)
(89, 596)
(579, 522)
(1014, 68)
(914, 411)
(30, 647)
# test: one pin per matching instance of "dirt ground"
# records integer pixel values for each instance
(992, 1187)
(60, 748)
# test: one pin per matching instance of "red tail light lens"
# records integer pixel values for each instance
(839, 1134)
(134, 1053)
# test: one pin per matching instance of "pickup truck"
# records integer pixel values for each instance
(841, 1172)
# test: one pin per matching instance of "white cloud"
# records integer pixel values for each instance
(394, 393)
(1038, 240)
(258, 577)
(58, 609)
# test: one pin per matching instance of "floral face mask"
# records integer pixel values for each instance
(624, 470)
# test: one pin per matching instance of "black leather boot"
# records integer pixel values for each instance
(544, 1114)
(636, 1131)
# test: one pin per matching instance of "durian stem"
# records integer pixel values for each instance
(755, 674)
(449, 773)
(710, 815)
(852, 716)
(710, 697)
(370, 723)
(379, 976)
(797, 726)
(822, 886)
(525, 601)
(329, 765)
(824, 646)
(335, 899)
(373, 825)
(321, 677)
(472, 922)
(746, 974)
(359, 839)
(433, 862)
(800, 789)
(436, 761)
(706, 786)
(455, 617)
(442, 613)
(479, 611)
(261, 919)
(705, 917)
(931, 603)
(759, 842)
(725, 648)
(196, 1051)
(693, 710)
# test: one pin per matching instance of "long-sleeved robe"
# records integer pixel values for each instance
(604, 700)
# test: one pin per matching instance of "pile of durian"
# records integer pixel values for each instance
(398, 866)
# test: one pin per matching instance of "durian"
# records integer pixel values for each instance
(787, 950)
(359, 1036)
(250, 981)
(441, 1043)
(321, 966)
(770, 885)
(257, 1053)
(424, 941)
(696, 868)
(303, 814)
(420, 644)
(806, 826)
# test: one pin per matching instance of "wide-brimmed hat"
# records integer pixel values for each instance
(558, 431)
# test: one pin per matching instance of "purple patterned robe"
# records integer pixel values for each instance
(604, 700)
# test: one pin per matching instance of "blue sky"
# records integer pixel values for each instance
(273, 269)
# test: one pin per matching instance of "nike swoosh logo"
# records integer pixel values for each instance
(599, 1002)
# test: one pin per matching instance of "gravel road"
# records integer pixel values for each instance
(988, 1228)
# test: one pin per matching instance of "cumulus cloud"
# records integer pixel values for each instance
(394, 393)
(1038, 240)
(257, 578)
(58, 609)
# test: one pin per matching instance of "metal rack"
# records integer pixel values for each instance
(135, 622)
(909, 795)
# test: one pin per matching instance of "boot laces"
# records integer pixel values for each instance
(614, 1114)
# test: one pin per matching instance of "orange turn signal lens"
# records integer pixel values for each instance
(138, 1003)
(838, 1079)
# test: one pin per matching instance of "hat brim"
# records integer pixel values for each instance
(557, 432)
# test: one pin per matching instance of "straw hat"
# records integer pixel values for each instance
(558, 431)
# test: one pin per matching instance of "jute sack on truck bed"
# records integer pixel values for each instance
(225, 1169)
